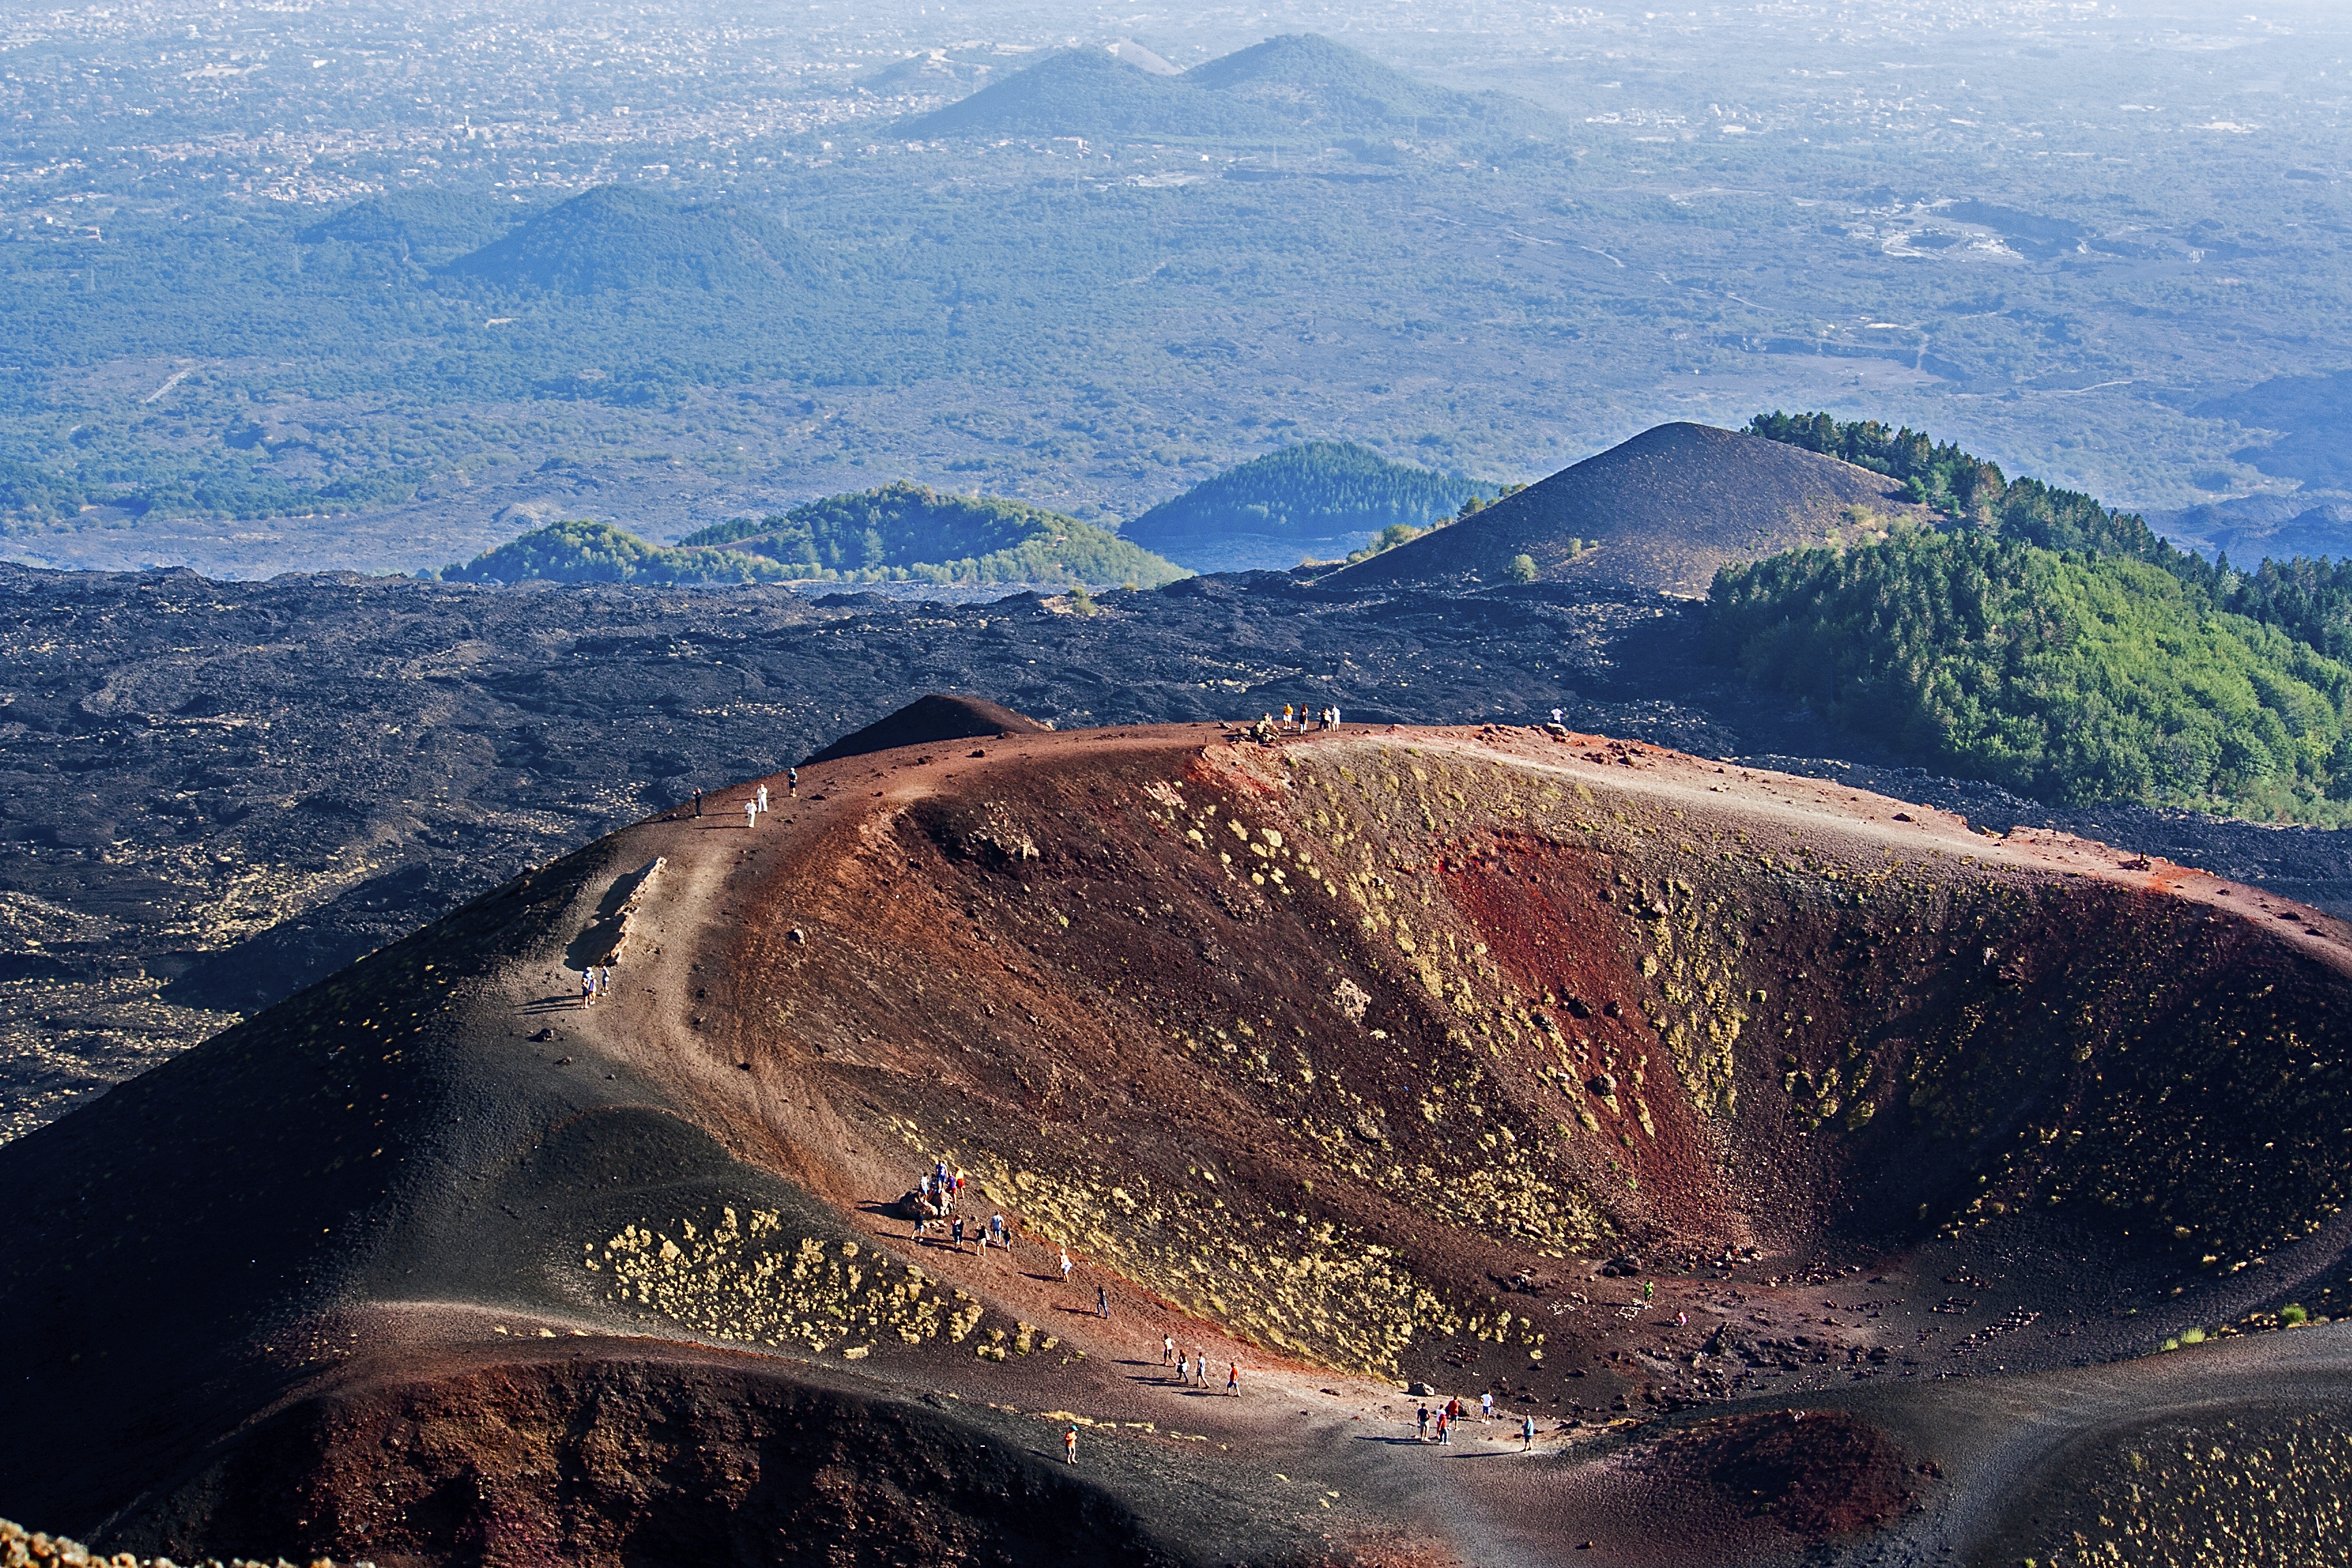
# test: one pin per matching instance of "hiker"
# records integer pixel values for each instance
(764, 797)
(1334, 715)
(1682, 1320)
(1555, 717)
(1286, 716)
(996, 1229)
(1070, 1445)
(922, 1223)
(1421, 1423)
(1527, 1433)
(1065, 1266)
(587, 988)
(1102, 1302)
(1648, 1289)
(1200, 1366)
(1167, 1348)
(604, 979)
(1444, 1431)
(1487, 1405)
(1454, 1408)
(698, 803)
(751, 812)
(791, 783)
(1233, 1378)
(958, 1233)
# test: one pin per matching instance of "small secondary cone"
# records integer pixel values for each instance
(938, 717)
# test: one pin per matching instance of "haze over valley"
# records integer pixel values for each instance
(265, 265)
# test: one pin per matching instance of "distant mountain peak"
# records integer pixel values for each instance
(1289, 86)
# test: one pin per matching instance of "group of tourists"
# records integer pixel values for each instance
(755, 805)
(1296, 720)
(595, 981)
(1193, 1371)
(1449, 1417)
(939, 1194)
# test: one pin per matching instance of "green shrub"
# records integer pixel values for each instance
(1523, 568)
(1389, 538)
(2290, 1315)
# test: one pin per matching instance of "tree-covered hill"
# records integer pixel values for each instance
(909, 533)
(2036, 638)
(431, 227)
(581, 552)
(619, 237)
(898, 533)
(1314, 493)
(2074, 678)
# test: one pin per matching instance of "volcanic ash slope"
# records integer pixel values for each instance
(1345, 1059)
(1661, 512)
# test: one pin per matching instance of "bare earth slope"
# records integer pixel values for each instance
(1347, 1063)
(1667, 509)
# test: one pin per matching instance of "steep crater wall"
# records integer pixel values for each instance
(1337, 1045)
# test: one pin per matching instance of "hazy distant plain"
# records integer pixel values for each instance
(2050, 233)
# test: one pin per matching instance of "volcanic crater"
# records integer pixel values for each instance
(1742, 1130)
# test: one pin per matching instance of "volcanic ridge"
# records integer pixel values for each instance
(1767, 1144)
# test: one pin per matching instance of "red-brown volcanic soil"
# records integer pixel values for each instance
(1811, 1167)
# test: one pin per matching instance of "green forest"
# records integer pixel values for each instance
(1969, 491)
(1308, 491)
(910, 533)
(2049, 644)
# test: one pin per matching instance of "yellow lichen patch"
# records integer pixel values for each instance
(1318, 1292)
(745, 1283)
